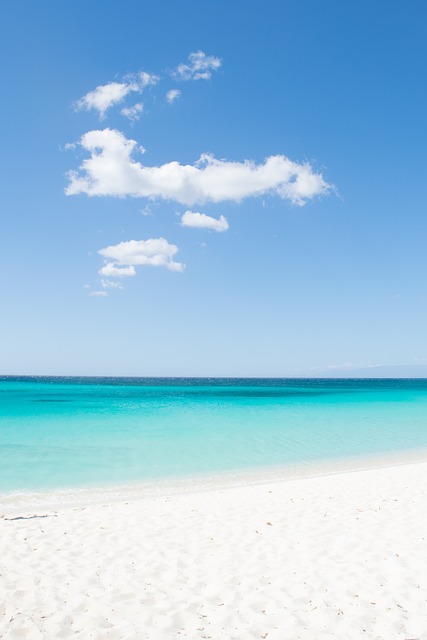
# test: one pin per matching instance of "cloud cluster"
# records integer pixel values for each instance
(108, 95)
(199, 67)
(111, 168)
(198, 220)
(111, 171)
(121, 259)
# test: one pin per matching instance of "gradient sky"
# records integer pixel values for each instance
(310, 258)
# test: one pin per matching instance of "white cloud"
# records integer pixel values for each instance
(133, 113)
(111, 284)
(113, 271)
(146, 211)
(108, 95)
(199, 67)
(111, 171)
(202, 221)
(125, 256)
(105, 96)
(144, 79)
(173, 95)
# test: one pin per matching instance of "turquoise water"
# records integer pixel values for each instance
(74, 432)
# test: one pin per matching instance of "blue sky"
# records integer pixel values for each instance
(269, 218)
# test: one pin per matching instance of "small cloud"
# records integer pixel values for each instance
(125, 256)
(173, 95)
(87, 286)
(146, 211)
(111, 284)
(133, 113)
(107, 95)
(113, 271)
(104, 97)
(144, 79)
(199, 67)
(202, 221)
(98, 294)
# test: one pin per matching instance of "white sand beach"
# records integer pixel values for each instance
(338, 556)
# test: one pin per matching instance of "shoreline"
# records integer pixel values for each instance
(69, 497)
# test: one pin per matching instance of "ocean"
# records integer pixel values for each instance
(98, 432)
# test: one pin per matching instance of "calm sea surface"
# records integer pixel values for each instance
(74, 432)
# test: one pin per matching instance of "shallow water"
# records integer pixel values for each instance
(82, 432)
